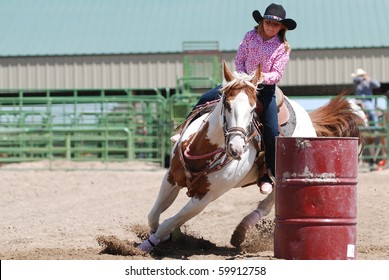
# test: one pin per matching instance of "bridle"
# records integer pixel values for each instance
(220, 157)
(247, 134)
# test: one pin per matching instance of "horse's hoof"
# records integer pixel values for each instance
(149, 244)
(238, 236)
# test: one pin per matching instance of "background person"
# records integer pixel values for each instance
(364, 86)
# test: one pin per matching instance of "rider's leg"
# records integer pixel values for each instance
(209, 96)
(270, 131)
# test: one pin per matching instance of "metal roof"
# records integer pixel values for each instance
(85, 27)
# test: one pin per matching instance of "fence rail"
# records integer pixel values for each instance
(82, 128)
(112, 128)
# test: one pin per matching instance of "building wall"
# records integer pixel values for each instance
(327, 67)
(87, 72)
(306, 67)
(333, 67)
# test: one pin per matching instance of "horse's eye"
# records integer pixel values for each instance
(227, 104)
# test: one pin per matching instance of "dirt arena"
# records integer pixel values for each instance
(101, 214)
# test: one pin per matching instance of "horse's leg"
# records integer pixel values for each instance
(190, 210)
(166, 196)
(248, 222)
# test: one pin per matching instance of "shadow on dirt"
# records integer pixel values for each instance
(186, 243)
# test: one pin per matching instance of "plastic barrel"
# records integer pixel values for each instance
(316, 198)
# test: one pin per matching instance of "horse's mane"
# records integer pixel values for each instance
(241, 80)
(335, 120)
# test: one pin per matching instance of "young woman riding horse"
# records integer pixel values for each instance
(265, 45)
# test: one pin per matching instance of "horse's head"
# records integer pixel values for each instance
(239, 101)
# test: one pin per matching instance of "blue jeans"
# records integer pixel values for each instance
(269, 117)
(270, 123)
(210, 95)
(369, 107)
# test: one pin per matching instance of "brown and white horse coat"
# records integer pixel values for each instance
(215, 154)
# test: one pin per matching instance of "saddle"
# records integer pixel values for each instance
(283, 111)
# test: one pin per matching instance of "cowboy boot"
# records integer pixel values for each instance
(263, 181)
(266, 183)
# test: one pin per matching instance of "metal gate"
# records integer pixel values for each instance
(376, 135)
(82, 127)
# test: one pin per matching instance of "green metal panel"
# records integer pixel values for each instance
(201, 67)
(376, 147)
(180, 106)
(79, 128)
(111, 128)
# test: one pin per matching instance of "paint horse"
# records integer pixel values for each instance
(218, 151)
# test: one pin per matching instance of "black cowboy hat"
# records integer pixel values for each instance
(276, 13)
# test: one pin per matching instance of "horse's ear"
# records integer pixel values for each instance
(257, 76)
(228, 76)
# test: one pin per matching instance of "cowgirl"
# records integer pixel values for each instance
(265, 45)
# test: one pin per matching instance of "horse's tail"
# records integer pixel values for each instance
(337, 119)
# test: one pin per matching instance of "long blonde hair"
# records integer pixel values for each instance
(281, 34)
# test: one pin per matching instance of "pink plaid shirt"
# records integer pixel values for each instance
(270, 54)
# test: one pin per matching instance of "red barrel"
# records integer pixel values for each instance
(316, 198)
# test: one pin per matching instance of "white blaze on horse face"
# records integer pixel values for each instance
(239, 116)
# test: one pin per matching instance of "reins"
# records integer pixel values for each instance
(209, 155)
(219, 157)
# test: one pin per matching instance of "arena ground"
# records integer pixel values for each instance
(93, 211)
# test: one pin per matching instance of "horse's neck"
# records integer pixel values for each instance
(212, 128)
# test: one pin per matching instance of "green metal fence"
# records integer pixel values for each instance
(76, 126)
(376, 134)
(201, 67)
(82, 128)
